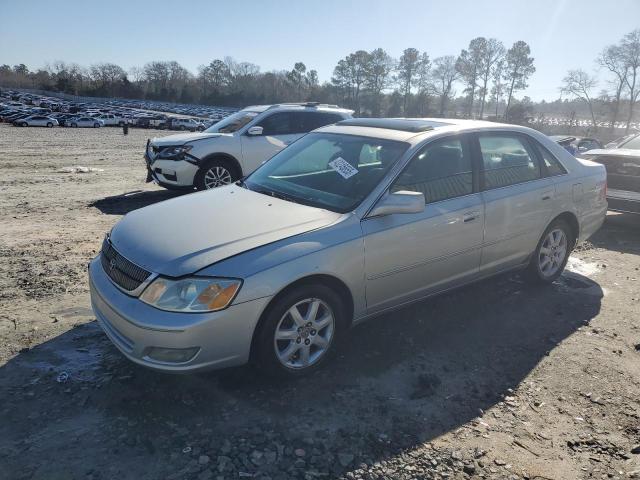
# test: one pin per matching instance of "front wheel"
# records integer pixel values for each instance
(96, 125)
(300, 331)
(49, 125)
(215, 173)
(24, 124)
(552, 253)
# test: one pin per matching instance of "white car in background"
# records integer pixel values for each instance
(186, 124)
(86, 122)
(37, 121)
(235, 146)
(111, 120)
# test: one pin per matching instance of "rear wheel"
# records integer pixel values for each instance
(552, 253)
(24, 124)
(216, 173)
(300, 331)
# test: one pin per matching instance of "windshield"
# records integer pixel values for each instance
(327, 170)
(634, 143)
(232, 123)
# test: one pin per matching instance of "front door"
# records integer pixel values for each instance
(410, 255)
(278, 130)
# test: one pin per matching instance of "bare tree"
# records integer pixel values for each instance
(297, 78)
(444, 74)
(630, 51)
(406, 73)
(580, 84)
(612, 59)
(497, 76)
(469, 66)
(491, 54)
(378, 77)
(519, 67)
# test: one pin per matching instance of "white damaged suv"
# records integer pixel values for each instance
(235, 146)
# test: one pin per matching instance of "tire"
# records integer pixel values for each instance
(49, 125)
(552, 253)
(182, 128)
(74, 125)
(285, 357)
(222, 169)
(24, 124)
(96, 125)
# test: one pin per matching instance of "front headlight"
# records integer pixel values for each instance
(174, 152)
(192, 294)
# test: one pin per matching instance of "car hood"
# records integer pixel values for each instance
(182, 138)
(186, 234)
(620, 152)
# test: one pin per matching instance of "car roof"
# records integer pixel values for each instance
(412, 130)
(297, 106)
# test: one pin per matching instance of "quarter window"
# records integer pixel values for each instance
(440, 171)
(507, 161)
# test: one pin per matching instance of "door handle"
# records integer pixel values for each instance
(470, 216)
(547, 196)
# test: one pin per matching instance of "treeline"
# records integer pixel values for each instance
(482, 81)
(372, 83)
(621, 62)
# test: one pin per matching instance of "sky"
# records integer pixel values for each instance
(274, 34)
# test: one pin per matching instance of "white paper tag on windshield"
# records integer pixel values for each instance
(344, 168)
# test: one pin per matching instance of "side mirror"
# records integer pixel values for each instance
(254, 131)
(399, 202)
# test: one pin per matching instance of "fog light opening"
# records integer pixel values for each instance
(171, 355)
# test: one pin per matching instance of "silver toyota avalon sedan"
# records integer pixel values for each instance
(350, 221)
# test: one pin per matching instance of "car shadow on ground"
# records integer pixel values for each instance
(127, 202)
(399, 380)
(621, 233)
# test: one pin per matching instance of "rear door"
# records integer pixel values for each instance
(518, 198)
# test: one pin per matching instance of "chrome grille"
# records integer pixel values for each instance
(124, 273)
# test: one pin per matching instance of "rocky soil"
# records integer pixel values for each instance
(499, 380)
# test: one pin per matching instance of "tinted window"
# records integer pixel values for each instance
(507, 161)
(440, 171)
(588, 144)
(313, 120)
(279, 124)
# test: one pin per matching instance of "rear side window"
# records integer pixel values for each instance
(313, 120)
(507, 160)
(552, 164)
(440, 171)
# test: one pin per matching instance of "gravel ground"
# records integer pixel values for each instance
(497, 380)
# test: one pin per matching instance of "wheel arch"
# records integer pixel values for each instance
(337, 285)
(227, 158)
(571, 220)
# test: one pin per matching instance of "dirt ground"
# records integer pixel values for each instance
(497, 380)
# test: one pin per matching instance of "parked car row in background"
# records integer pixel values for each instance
(21, 109)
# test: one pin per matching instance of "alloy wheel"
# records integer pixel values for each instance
(552, 252)
(304, 333)
(217, 177)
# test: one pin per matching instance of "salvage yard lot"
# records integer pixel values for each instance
(497, 380)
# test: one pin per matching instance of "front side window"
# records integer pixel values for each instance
(283, 123)
(440, 171)
(233, 122)
(507, 161)
(326, 170)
